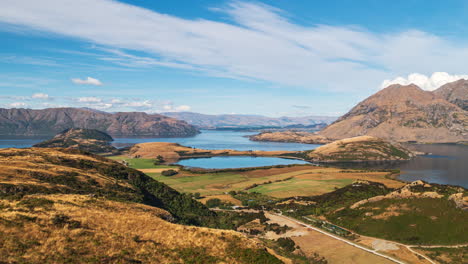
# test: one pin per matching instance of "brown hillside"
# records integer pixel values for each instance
(172, 152)
(291, 136)
(51, 121)
(455, 92)
(90, 140)
(403, 113)
(82, 229)
(363, 148)
(66, 206)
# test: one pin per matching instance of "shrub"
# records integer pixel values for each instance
(169, 173)
(287, 243)
(61, 220)
(214, 202)
(159, 160)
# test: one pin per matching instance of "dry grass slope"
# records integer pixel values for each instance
(65, 206)
(81, 229)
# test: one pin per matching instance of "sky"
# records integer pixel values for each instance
(274, 58)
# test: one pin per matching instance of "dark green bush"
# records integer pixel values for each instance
(214, 202)
(169, 173)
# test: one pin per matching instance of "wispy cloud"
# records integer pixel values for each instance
(260, 43)
(41, 96)
(87, 81)
(17, 105)
(301, 106)
(14, 59)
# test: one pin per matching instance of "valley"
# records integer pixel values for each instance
(291, 190)
(233, 132)
(299, 203)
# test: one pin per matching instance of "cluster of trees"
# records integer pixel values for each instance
(169, 173)
(159, 160)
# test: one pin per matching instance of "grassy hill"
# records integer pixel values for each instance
(90, 140)
(75, 228)
(363, 148)
(64, 205)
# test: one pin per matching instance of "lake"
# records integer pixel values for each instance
(208, 139)
(447, 164)
(237, 162)
(19, 142)
(214, 139)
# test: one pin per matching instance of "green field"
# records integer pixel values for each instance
(213, 183)
(139, 163)
(410, 221)
(281, 183)
(300, 187)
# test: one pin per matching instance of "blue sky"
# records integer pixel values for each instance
(275, 58)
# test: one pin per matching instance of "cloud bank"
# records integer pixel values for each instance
(258, 43)
(87, 81)
(428, 83)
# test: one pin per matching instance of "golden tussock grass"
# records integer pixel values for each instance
(82, 229)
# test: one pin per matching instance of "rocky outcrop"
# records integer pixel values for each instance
(90, 140)
(455, 92)
(28, 122)
(421, 189)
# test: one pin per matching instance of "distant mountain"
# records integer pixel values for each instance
(455, 92)
(51, 121)
(397, 113)
(403, 113)
(257, 121)
(90, 140)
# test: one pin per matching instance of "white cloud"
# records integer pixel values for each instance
(145, 105)
(183, 108)
(89, 81)
(428, 83)
(259, 44)
(91, 99)
(41, 96)
(17, 105)
(169, 107)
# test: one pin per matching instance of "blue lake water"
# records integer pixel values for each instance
(213, 139)
(447, 164)
(19, 142)
(208, 139)
(237, 162)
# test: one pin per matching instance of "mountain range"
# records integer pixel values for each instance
(50, 121)
(248, 121)
(402, 113)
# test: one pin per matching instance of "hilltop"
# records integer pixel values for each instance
(291, 136)
(172, 152)
(455, 92)
(90, 140)
(83, 208)
(50, 121)
(403, 113)
(363, 148)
